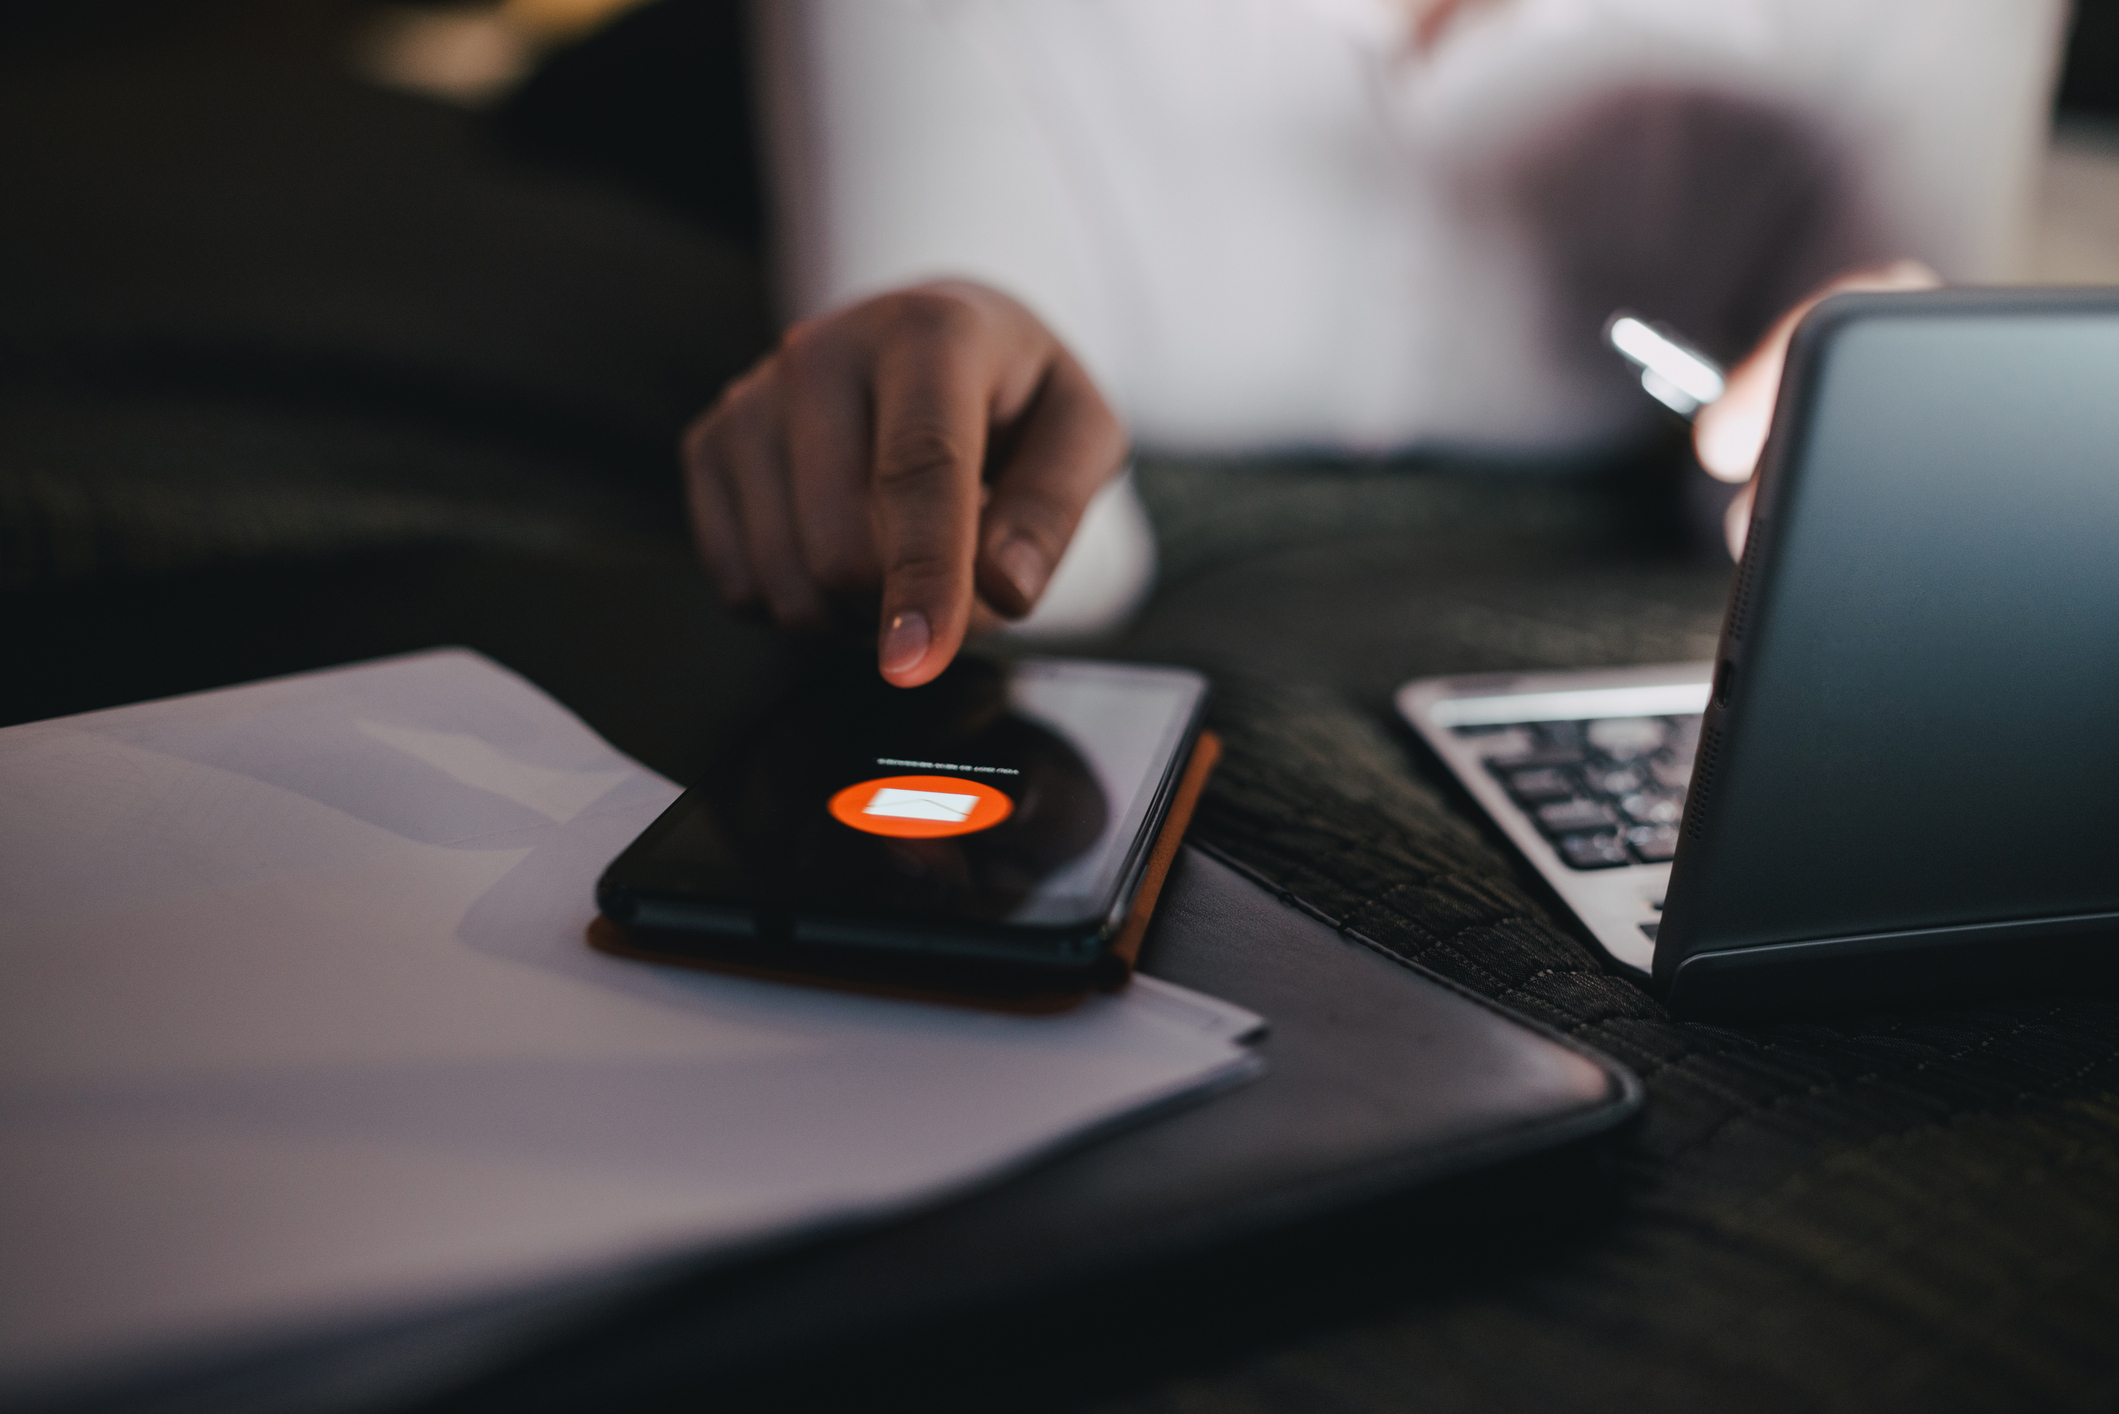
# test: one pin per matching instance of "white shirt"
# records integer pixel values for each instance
(1275, 223)
(1270, 224)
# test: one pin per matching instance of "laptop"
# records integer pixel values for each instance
(1898, 781)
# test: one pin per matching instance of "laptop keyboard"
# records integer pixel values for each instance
(1607, 792)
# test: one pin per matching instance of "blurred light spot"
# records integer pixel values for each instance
(1680, 378)
(472, 55)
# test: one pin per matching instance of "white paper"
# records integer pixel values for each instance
(298, 1030)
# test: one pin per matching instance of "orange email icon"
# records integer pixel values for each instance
(921, 807)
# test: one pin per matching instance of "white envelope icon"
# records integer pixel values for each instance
(920, 805)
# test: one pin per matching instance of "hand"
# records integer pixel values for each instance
(1731, 431)
(1431, 18)
(933, 447)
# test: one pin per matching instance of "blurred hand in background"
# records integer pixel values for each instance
(1731, 431)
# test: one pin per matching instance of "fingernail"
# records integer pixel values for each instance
(905, 640)
(1024, 565)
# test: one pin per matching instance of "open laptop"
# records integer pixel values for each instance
(1899, 779)
(1586, 774)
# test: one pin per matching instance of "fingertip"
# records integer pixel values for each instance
(1731, 434)
(904, 650)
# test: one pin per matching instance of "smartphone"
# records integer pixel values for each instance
(999, 817)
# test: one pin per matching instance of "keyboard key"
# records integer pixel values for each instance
(1536, 744)
(1624, 738)
(1500, 743)
(1535, 758)
(1543, 756)
(1654, 844)
(1537, 787)
(1567, 816)
(1653, 808)
(1612, 780)
(1600, 851)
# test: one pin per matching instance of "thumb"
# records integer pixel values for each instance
(1066, 447)
(1731, 431)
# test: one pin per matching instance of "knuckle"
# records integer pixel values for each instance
(1046, 512)
(747, 395)
(804, 333)
(1047, 527)
(806, 355)
(744, 397)
(737, 451)
(918, 456)
(931, 315)
(1100, 424)
(920, 565)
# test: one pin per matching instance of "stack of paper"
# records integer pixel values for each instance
(299, 1037)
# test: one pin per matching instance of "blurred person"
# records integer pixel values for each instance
(1019, 236)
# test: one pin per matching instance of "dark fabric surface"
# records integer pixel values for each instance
(255, 307)
(296, 372)
(1891, 1211)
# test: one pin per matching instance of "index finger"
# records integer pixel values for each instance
(930, 442)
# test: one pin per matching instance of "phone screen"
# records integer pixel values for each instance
(1000, 793)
